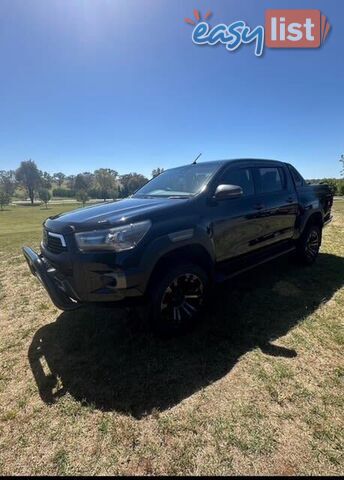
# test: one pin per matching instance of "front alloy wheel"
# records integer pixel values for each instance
(178, 299)
(182, 299)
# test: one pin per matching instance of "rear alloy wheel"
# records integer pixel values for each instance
(309, 245)
(178, 299)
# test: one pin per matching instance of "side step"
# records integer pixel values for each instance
(223, 275)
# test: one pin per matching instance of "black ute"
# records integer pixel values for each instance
(184, 230)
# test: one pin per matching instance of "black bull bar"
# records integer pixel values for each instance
(46, 276)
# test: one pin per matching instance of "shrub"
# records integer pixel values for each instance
(45, 196)
(4, 199)
(82, 196)
(64, 193)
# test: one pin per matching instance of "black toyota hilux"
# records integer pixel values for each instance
(183, 231)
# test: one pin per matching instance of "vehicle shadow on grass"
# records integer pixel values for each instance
(104, 358)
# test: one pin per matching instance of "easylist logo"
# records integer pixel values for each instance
(283, 29)
(295, 28)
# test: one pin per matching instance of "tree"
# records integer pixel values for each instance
(4, 199)
(83, 181)
(71, 182)
(46, 179)
(45, 196)
(8, 181)
(130, 183)
(29, 177)
(82, 197)
(114, 194)
(157, 171)
(59, 178)
(106, 182)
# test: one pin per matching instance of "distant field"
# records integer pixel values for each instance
(23, 225)
(58, 201)
(257, 389)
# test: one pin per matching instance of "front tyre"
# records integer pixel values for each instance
(309, 244)
(178, 298)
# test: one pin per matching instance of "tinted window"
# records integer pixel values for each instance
(271, 179)
(241, 177)
(296, 176)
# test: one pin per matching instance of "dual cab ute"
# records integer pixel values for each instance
(184, 230)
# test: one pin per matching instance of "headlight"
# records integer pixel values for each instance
(118, 239)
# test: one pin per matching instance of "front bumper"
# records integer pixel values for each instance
(58, 290)
(71, 284)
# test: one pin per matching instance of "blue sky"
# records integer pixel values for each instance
(118, 83)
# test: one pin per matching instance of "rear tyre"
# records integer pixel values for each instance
(177, 298)
(309, 244)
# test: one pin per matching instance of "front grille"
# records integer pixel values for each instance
(54, 242)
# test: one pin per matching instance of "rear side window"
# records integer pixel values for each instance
(239, 176)
(270, 179)
(298, 180)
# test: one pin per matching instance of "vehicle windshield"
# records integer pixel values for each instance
(181, 182)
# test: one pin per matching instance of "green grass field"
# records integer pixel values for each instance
(256, 389)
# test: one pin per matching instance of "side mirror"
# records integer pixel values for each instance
(228, 191)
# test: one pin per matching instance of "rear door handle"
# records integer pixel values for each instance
(290, 199)
(258, 206)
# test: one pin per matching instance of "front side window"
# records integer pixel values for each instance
(241, 177)
(270, 179)
(180, 182)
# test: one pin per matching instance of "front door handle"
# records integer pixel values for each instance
(290, 199)
(258, 206)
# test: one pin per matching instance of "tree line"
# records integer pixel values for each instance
(336, 184)
(104, 183)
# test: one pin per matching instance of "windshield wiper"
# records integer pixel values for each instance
(162, 196)
(144, 196)
(179, 196)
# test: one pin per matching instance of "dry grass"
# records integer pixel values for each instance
(257, 389)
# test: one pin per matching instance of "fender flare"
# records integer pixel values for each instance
(308, 214)
(167, 244)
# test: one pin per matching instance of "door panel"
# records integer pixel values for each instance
(236, 227)
(279, 204)
(235, 221)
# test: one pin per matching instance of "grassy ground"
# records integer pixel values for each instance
(257, 389)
